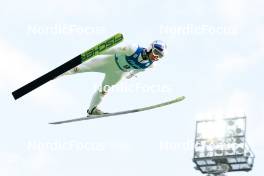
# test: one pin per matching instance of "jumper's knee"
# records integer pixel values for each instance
(104, 89)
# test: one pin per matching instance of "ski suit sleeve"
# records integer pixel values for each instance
(134, 73)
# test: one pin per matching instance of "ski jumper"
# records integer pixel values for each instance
(115, 64)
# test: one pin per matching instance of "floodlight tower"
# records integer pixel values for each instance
(220, 146)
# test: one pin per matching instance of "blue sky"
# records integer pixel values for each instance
(215, 59)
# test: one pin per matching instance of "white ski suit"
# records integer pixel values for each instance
(115, 63)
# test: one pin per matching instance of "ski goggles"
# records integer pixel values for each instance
(156, 52)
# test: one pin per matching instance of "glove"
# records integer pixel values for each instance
(131, 75)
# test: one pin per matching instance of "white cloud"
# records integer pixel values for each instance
(232, 10)
(260, 39)
(15, 66)
(235, 64)
(14, 164)
(9, 161)
(17, 69)
(237, 104)
(49, 9)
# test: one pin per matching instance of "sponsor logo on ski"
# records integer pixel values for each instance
(103, 46)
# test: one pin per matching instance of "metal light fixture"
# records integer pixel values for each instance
(220, 146)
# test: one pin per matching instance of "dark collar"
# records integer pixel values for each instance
(145, 54)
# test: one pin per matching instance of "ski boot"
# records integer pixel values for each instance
(95, 111)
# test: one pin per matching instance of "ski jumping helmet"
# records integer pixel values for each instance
(158, 48)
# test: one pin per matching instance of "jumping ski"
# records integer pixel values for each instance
(89, 117)
(94, 51)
